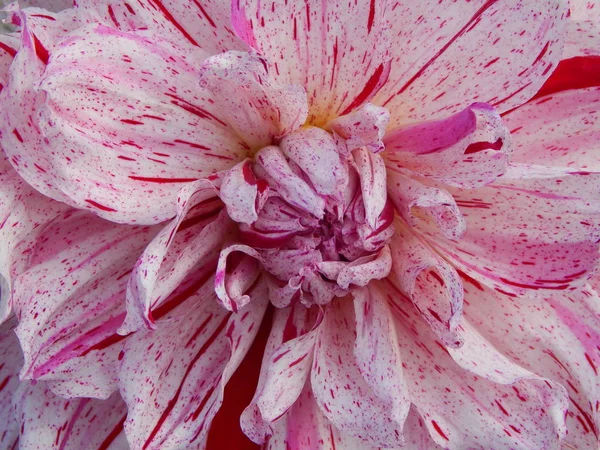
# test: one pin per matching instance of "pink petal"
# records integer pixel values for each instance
(285, 369)
(583, 38)
(547, 238)
(561, 129)
(464, 410)
(189, 243)
(172, 379)
(316, 153)
(467, 150)
(584, 9)
(232, 282)
(49, 422)
(426, 279)
(449, 55)
(322, 46)
(9, 45)
(554, 335)
(362, 128)
(287, 183)
(366, 268)
(205, 23)
(70, 301)
(125, 160)
(242, 193)
(377, 353)
(12, 360)
(343, 395)
(262, 109)
(23, 212)
(411, 198)
(372, 173)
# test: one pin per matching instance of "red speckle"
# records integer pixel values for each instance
(439, 430)
(99, 206)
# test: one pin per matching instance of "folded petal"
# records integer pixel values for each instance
(466, 410)
(262, 109)
(49, 422)
(547, 238)
(234, 277)
(364, 127)
(340, 390)
(338, 51)
(377, 352)
(554, 335)
(411, 198)
(189, 243)
(426, 279)
(12, 361)
(286, 366)
(121, 130)
(70, 301)
(172, 378)
(561, 129)
(23, 213)
(242, 193)
(446, 57)
(372, 174)
(204, 23)
(468, 149)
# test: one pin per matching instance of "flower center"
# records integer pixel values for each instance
(314, 210)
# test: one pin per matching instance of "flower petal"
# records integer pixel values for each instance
(190, 243)
(285, 369)
(429, 282)
(172, 378)
(262, 109)
(362, 128)
(232, 281)
(9, 45)
(116, 137)
(50, 422)
(376, 351)
(554, 335)
(12, 361)
(464, 410)
(411, 197)
(583, 38)
(242, 193)
(343, 395)
(467, 150)
(23, 212)
(204, 23)
(547, 238)
(372, 173)
(336, 50)
(448, 56)
(70, 301)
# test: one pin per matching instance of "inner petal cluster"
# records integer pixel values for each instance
(313, 209)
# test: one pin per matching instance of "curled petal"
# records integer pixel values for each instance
(341, 392)
(233, 279)
(67, 329)
(372, 173)
(366, 268)
(172, 378)
(261, 109)
(242, 193)
(54, 423)
(362, 128)
(410, 197)
(429, 281)
(191, 240)
(467, 150)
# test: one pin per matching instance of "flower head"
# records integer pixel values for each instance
(303, 225)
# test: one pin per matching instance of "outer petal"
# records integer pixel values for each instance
(70, 301)
(123, 140)
(467, 150)
(463, 410)
(341, 392)
(286, 365)
(11, 361)
(204, 23)
(449, 55)
(555, 336)
(49, 422)
(189, 243)
(262, 109)
(338, 51)
(9, 45)
(23, 212)
(429, 281)
(377, 353)
(547, 238)
(561, 129)
(173, 378)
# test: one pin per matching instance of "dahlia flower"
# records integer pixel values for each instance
(300, 225)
